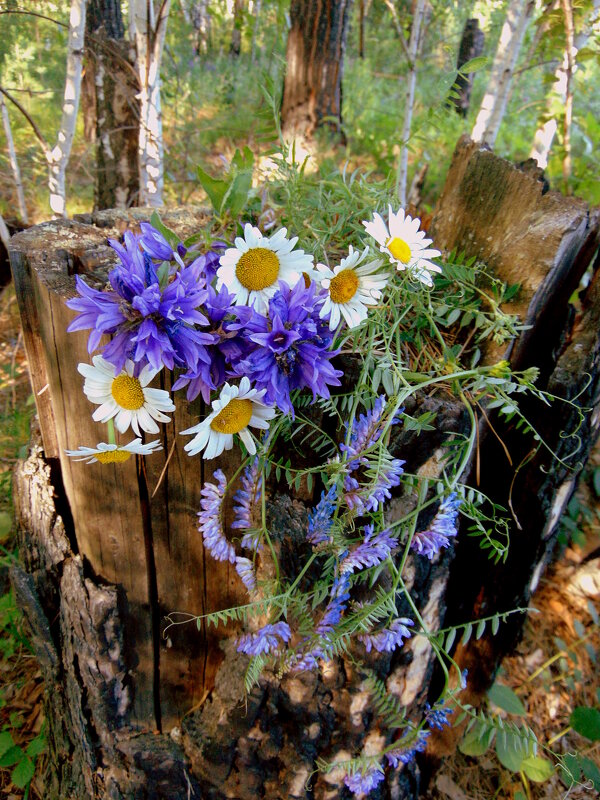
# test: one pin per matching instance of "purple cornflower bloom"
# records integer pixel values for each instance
(387, 639)
(292, 347)
(264, 640)
(366, 432)
(151, 311)
(374, 549)
(407, 747)
(364, 782)
(247, 498)
(211, 519)
(245, 569)
(441, 530)
(227, 345)
(438, 716)
(320, 518)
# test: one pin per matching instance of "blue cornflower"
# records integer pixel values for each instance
(245, 569)
(364, 782)
(248, 499)
(438, 716)
(407, 747)
(320, 518)
(374, 549)
(227, 346)
(211, 519)
(152, 311)
(387, 639)
(441, 530)
(265, 640)
(292, 347)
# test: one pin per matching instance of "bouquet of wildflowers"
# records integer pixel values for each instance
(261, 333)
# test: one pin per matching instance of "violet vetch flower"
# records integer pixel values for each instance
(151, 311)
(407, 747)
(388, 476)
(265, 640)
(387, 639)
(247, 498)
(441, 530)
(374, 549)
(364, 782)
(438, 716)
(245, 569)
(226, 347)
(320, 518)
(338, 599)
(366, 432)
(292, 347)
(210, 519)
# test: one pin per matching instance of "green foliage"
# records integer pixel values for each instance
(230, 194)
(586, 721)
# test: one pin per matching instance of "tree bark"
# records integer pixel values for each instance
(235, 48)
(312, 92)
(113, 112)
(495, 100)
(14, 163)
(471, 46)
(96, 578)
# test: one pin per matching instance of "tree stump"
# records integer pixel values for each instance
(135, 714)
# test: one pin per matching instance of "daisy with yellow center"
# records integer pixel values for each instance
(405, 245)
(252, 269)
(350, 288)
(236, 409)
(125, 397)
(113, 453)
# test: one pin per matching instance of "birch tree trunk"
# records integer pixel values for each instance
(235, 48)
(113, 108)
(495, 100)
(58, 157)
(150, 31)
(471, 46)
(257, 10)
(14, 164)
(544, 135)
(412, 53)
(316, 43)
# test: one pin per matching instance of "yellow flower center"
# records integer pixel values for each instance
(257, 269)
(399, 249)
(113, 456)
(127, 392)
(343, 287)
(234, 417)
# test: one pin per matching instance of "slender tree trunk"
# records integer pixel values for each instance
(312, 92)
(114, 112)
(235, 47)
(150, 38)
(361, 27)
(14, 164)
(411, 82)
(257, 10)
(567, 7)
(544, 135)
(471, 46)
(58, 157)
(4, 232)
(493, 105)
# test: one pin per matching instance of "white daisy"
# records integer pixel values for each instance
(113, 453)
(252, 269)
(236, 408)
(125, 397)
(350, 288)
(405, 244)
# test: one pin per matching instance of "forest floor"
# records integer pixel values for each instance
(553, 670)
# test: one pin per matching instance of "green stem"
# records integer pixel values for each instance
(111, 431)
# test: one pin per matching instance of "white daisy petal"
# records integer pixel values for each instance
(113, 453)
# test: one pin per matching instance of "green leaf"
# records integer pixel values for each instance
(215, 188)
(236, 196)
(169, 235)
(36, 746)
(474, 64)
(537, 769)
(477, 740)
(6, 521)
(243, 160)
(23, 773)
(586, 721)
(11, 756)
(509, 752)
(506, 699)
(6, 742)
(591, 771)
(520, 796)
(571, 770)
